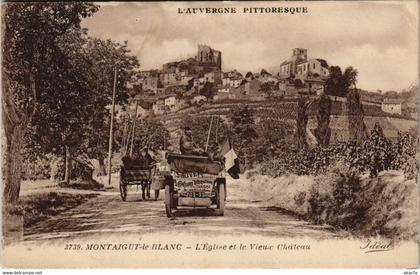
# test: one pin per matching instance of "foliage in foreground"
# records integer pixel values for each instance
(385, 205)
(380, 206)
(41, 206)
(353, 186)
(373, 155)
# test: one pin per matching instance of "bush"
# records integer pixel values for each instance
(304, 162)
(406, 154)
(341, 200)
(374, 155)
(384, 206)
(83, 185)
(36, 167)
(394, 207)
(82, 168)
(380, 206)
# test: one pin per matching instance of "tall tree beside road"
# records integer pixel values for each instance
(150, 133)
(333, 85)
(339, 83)
(357, 128)
(58, 125)
(104, 56)
(244, 134)
(302, 122)
(30, 66)
(76, 121)
(323, 130)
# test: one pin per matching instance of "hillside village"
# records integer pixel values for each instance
(200, 79)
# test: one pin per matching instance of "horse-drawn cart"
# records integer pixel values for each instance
(137, 175)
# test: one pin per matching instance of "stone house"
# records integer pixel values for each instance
(235, 82)
(392, 106)
(312, 67)
(213, 77)
(148, 73)
(169, 78)
(159, 107)
(150, 84)
(300, 66)
(288, 68)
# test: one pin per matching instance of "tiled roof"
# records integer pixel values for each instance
(264, 72)
(323, 63)
(236, 78)
(166, 96)
(392, 101)
(301, 62)
(285, 62)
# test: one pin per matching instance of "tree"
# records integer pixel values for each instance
(80, 121)
(267, 88)
(349, 79)
(333, 85)
(378, 154)
(150, 133)
(200, 127)
(323, 131)
(30, 65)
(190, 84)
(208, 90)
(302, 122)
(298, 83)
(275, 135)
(104, 57)
(357, 128)
(244, 134)
(339, 83)
(57, 127)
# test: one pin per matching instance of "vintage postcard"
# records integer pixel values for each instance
(210, 134)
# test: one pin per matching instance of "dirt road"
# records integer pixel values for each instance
(108, 214)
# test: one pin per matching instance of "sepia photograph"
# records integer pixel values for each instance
(252, 134)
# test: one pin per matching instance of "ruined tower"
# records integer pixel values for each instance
(205, 54)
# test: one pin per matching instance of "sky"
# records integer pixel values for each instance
(379, 39)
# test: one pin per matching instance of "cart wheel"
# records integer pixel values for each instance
(221, 196)
(156, 194)
(123, 191)
(168, 201)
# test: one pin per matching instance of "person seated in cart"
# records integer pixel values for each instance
(186, 144)
(187, 147)
(141, 163)
(144, 159)
(192, 158)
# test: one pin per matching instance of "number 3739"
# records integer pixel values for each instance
(70, 246)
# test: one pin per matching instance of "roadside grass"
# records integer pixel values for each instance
(385, 206)
(83, 185)
(40, 206)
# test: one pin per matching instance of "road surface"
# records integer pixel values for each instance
(108, 214)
